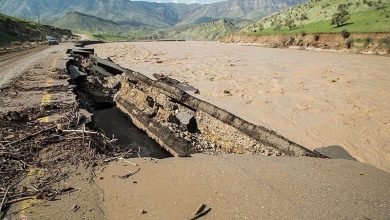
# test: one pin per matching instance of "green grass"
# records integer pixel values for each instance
(372, 20)
(364, 18)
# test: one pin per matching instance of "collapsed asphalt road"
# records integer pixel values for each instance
(234, 186)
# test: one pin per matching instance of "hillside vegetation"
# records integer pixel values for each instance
(315, 16)
(14, 29)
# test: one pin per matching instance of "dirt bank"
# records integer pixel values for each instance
(365, 43)
(317, 99)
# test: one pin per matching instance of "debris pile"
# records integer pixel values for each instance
(33, 155)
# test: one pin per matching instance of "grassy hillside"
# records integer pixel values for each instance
(14, 29)
(315, 17)
(80, 22)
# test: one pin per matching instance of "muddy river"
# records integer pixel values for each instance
(317, 99)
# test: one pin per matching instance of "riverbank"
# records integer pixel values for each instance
(360, 43)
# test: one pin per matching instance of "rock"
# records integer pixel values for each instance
(227, 92)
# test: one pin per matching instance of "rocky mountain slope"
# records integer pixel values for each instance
(78, 21)
(137, 14)
(243, 9)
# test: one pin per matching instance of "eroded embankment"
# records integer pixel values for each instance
(366, 43)
(165, 109)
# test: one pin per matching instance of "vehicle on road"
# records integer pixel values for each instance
(52, 41)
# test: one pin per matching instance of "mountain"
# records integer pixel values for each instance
(78, 21)
(315, 16)
(243, 9)
(126, 13)
(14, 29)
(146, 15)
(209, 31)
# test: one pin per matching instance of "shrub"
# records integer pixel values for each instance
(367, 41)
(345, 33)
(380, 6)
(386, 43)
(303, 33)
(349, 43)
(341, 16)
(316, 37)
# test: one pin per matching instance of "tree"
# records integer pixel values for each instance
(341, 16)
(290, 23)
(260, 26)
(304, 17)
(277, 25)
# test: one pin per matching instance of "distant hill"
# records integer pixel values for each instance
(242, 9)
(315, 17)
(128, 14)
(209, 31)
(78, 21)
(14, 29)
(131, 15)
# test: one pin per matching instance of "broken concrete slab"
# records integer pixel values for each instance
(334, 152)
(75, 73)
(107, 65)
(99, 70)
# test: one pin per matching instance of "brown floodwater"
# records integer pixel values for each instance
(317, 99)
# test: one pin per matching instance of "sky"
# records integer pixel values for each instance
(186, 1)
